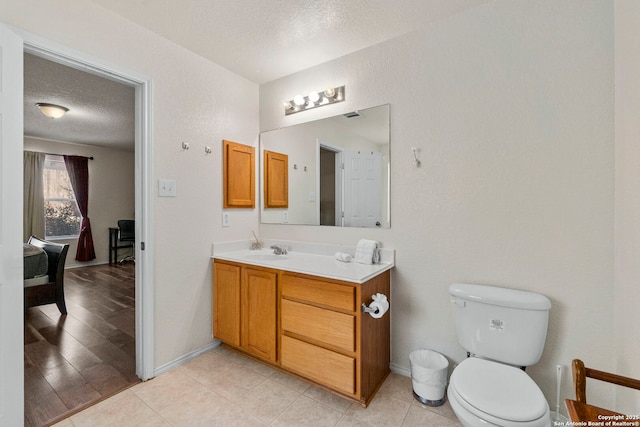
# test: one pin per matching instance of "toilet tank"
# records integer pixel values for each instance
(505, 325)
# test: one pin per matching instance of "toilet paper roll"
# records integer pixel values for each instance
(380, 305)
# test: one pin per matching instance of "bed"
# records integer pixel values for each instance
(36, 265)
(44, 273)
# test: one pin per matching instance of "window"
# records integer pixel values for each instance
(61, 215)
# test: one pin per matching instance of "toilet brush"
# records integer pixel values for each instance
(556, 416)
(558, 382)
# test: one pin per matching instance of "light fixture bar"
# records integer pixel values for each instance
(328, 96)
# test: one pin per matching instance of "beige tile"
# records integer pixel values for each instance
(307, 412)
(236, 383)
(290, 381)
(194, 408)
(268, 400)
(231, 355)
(233, 416)
(396, 386)
(420, 416)
(260, 368)
(328, 399)
(207, 366)
(64, 423)
(444, 410)
(124, 409)
(380, 412)
(163, 390)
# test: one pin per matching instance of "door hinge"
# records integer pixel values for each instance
(142, 246)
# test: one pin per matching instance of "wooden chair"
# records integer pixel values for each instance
(581, 373)
(52, 291)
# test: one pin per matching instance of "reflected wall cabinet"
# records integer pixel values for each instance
(238, 175)
(276, 180)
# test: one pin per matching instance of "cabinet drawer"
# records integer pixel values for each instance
(319, 292)
(326, 326)
(319, 364)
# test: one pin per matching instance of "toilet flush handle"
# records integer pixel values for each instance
(459, 303)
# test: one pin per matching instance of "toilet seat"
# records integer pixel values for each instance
(498, 393)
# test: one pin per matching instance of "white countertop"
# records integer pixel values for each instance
(316, 260)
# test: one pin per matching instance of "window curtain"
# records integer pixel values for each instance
(78, 170)
(33, 204)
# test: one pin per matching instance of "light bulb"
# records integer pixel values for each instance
(299, 100)
(330, 92)
(314, 97)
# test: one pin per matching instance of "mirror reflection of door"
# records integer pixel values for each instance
(362, 188)
(330, 186)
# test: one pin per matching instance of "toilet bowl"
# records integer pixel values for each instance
(502, 330)
(486, 393)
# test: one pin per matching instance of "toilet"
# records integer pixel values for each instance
(503, 331)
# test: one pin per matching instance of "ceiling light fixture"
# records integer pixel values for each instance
(52, 111)
(314, 99)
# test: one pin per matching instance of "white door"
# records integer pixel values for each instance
(362, 189)
(11, 293)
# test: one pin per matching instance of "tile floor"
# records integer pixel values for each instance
(223, 388)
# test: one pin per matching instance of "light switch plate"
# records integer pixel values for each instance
(225, 219)
(167, 187)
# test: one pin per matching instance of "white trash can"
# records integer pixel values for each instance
(428, 376)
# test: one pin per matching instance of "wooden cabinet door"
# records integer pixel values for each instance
(276, 180)
(259, 301)
(226, 303)
(238, 175)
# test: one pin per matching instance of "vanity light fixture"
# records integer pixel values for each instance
(314, 99)
(52, 111)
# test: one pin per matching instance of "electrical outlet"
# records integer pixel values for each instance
(225, 219)
(167, 187)
(285, 217)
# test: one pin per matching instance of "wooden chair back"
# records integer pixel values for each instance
(581, 373)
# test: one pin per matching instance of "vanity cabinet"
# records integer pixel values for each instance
(258, 293)
(325, 337)
(244, 314)
(226, 303)
(307, 325)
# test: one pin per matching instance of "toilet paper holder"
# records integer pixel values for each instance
(366, 309)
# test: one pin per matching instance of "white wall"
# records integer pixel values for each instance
(627, 289)
(512, 107)
(111, 191)
(194, 101)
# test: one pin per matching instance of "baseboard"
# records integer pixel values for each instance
(401, 370)
(184, 359)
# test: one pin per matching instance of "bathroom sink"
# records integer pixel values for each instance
(265, 257)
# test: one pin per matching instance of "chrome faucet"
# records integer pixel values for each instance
(279, 249)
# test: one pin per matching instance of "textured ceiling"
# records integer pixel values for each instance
(101, 111)
(261, 40)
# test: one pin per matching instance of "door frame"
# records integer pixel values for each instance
(339, 179)
(144, 288)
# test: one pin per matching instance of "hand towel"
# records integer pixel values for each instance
(367, 252)
(344, 257)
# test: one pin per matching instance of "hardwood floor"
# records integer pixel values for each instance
(73, 361)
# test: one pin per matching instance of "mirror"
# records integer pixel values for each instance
(319, 189)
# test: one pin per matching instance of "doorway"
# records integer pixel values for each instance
(74, 360)
(330, 184)
(143, 202)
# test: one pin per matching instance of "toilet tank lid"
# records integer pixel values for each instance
(500, 296)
